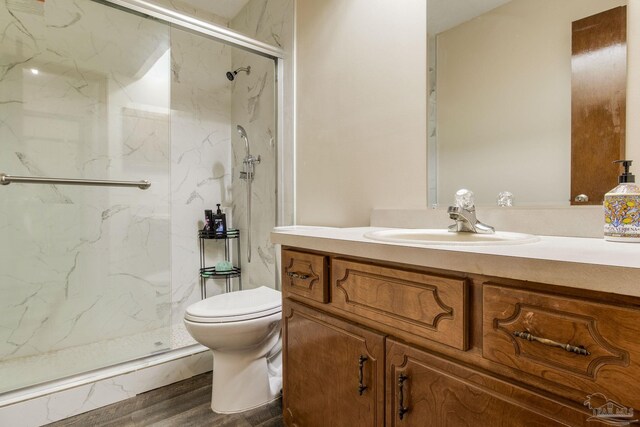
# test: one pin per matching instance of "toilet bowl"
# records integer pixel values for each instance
(243, 331)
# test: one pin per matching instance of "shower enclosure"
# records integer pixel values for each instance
(97, 274)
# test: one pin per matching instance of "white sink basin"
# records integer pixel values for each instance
(444, 237)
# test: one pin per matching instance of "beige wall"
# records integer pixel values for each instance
(361, 111)
(361, 108)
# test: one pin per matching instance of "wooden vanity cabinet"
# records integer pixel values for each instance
(333, 371)
(425, 390)
(392, 345)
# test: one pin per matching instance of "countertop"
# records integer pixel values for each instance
(583, 263)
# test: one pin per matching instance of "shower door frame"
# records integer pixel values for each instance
(283, 170)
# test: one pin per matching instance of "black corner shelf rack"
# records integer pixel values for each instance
(210, 234)
(211, 272)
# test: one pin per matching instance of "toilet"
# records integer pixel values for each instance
(243, 330)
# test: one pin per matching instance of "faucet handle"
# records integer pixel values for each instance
(465, 199)
(504, 199)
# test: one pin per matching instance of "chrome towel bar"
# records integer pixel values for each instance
(8, 179)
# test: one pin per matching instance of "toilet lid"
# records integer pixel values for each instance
(236, 306)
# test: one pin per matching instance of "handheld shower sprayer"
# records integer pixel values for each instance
(243, 135)
(249, 161)
(231, 75)
(247, 173)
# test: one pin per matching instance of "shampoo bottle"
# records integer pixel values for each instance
(220, 223)
(622, 209)
(208, 220)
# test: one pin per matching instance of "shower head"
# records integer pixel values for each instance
(243, 135)
(231, 75)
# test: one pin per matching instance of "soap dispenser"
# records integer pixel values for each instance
(622, 208)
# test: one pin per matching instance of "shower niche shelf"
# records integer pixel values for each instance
(212, 272)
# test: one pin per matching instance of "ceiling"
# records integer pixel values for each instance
(227, 9)
(445, 14)
(441, 14)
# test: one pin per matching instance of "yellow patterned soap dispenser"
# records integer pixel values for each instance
(622, 209)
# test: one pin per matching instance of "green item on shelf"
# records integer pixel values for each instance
(224, 266)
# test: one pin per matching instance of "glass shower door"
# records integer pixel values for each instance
(84, 270)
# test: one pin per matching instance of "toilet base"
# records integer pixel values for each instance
(246, 380)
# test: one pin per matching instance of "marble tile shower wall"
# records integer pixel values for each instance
(84, 92)
(200, 158)
(253, 106)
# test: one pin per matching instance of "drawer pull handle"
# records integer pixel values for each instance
(567, 347)
(361, 386)
(300, 276)
(401, 408)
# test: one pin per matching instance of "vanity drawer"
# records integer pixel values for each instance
(424, 305)
(305, 275)
(585, 345)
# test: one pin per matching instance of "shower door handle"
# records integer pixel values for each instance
(8, 179)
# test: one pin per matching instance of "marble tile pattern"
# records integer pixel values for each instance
(272, 22)
(253, 106)
(84, 93)
(67, 403)
(200, 158)
(190, 9)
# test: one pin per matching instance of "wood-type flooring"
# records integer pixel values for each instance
(185, 404)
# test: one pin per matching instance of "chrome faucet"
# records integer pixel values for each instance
(464, 214)
(248, 166)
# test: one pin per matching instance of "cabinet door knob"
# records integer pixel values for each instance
(401, 408)
(361, 386)
(581, 198)
(295, 275)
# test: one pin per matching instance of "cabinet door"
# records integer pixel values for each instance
(425, 390)
(333, 371)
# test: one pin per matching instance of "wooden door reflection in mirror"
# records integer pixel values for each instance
(598, 103)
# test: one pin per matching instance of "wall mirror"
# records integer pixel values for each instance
(503, 79)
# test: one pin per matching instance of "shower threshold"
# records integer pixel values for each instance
(41, 366)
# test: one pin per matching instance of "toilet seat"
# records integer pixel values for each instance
(236, 306)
